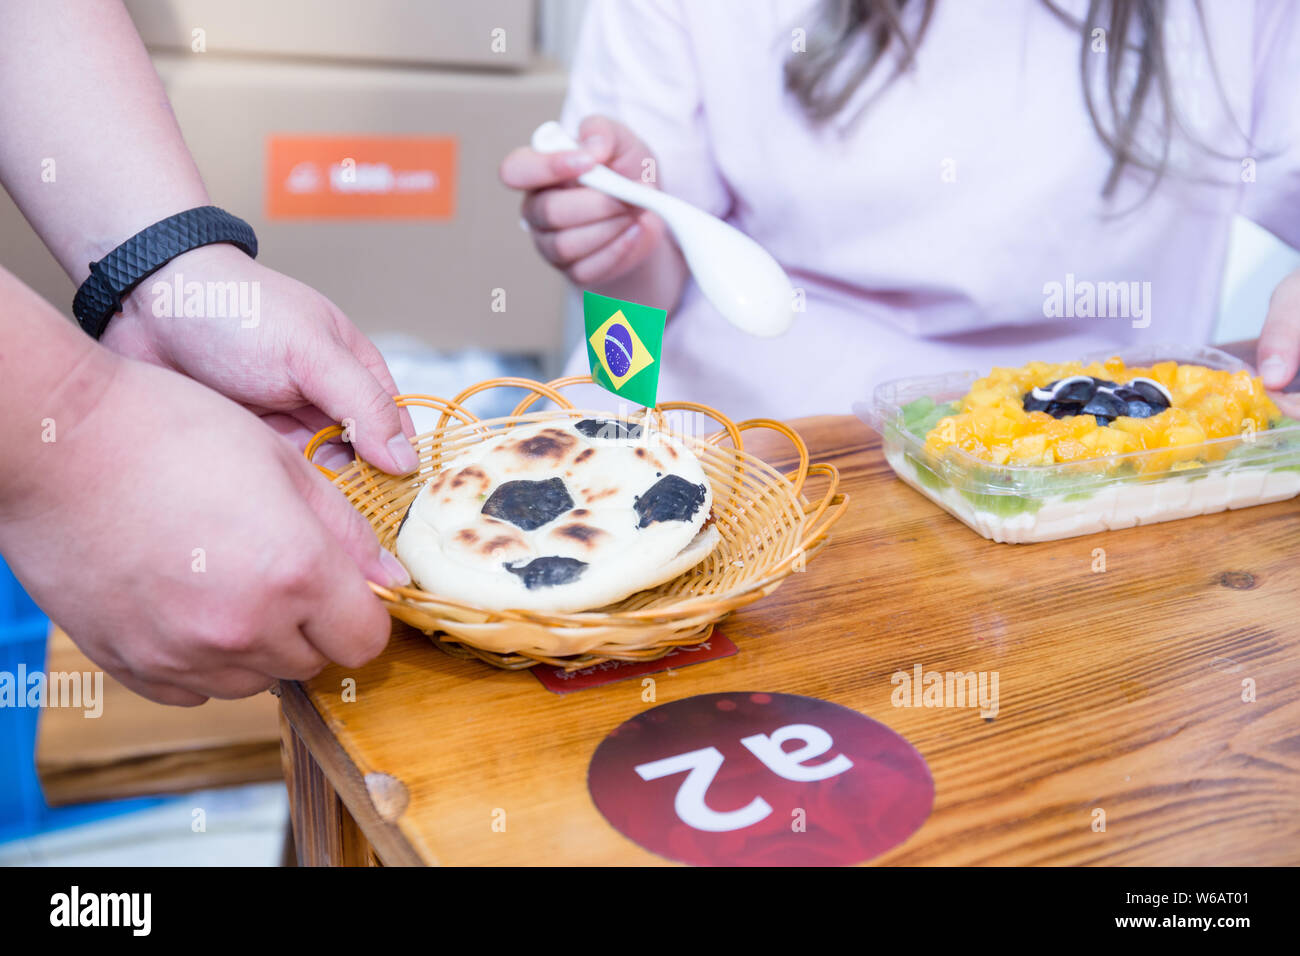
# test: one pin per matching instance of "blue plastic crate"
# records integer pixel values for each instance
(23, 811)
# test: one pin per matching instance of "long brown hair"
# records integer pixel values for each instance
(851, 37)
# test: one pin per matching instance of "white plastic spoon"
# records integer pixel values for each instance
(734, 272)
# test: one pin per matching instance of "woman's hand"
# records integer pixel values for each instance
(186, 548)
(592, 238)
(1278, 352)
(274, 345)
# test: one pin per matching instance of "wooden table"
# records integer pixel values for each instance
(1120, 690)
(136, 747)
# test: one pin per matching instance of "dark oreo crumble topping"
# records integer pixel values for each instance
(528, 504)
(607, 428)
(547, 572)
(671, 498)
(1100, 397)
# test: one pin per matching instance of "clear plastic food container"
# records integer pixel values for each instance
(1026, 503)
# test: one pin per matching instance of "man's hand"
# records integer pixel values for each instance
(272, 344)
(186, 548)
(1278, 353)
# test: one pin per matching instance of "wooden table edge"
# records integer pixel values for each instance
(169, 772)
(314, 763)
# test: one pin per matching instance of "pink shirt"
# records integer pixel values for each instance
(933, 234)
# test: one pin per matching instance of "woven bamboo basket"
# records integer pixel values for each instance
(768, 524)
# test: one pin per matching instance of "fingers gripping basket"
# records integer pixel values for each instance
(769, 528)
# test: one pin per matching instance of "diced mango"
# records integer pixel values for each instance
(1029, 450)
(1208, 404)
(1163, 372)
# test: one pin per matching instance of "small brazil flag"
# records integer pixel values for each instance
(623, 344)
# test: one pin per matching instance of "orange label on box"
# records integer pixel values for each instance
(360, 177)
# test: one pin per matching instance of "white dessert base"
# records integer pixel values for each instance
(1111, 507)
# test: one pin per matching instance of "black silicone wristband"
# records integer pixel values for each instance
(115, 275)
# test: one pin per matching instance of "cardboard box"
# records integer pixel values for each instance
(376, 186)
(493, 35)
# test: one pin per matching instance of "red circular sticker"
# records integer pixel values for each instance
(753, 779)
